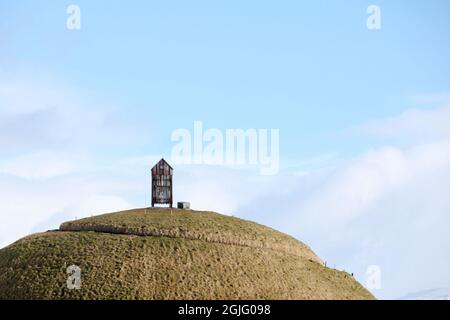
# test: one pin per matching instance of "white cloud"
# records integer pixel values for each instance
(52, 138)
(24, 97)
(40, 165)
(37, 205)
(98, 204)
(414, 125)
(215, 188)
(359, 185)
(36, 115)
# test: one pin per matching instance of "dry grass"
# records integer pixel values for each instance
(192, 225)
(195, 262)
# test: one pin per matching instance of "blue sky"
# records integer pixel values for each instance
(309, 69)
(86, 112)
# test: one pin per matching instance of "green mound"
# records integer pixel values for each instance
(169, 254)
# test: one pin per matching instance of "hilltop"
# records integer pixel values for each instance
(169, 254)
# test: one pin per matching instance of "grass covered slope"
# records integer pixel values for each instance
(156, 254)
(192, 225)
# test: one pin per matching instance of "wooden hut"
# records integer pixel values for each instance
(162, 192)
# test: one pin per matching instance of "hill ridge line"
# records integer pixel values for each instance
(174, 233)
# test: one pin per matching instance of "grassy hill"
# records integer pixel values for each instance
(169, 254)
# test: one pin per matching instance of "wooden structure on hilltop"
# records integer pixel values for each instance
(162, 192)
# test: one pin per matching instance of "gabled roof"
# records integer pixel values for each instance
(164, 161)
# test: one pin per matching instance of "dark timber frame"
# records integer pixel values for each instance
(162, 192)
